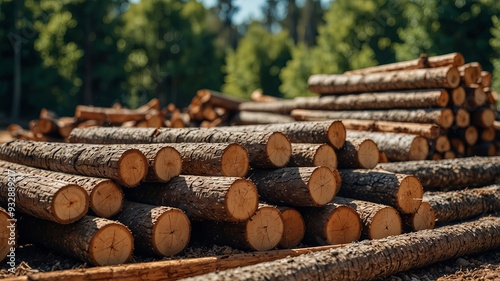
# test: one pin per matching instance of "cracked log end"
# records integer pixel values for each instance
(419, 149)
(235, 161)
(368, 154)
(424, 218)
(132, 168)
(242, 200)
(325, 156)
(4, 235)
(70, 204)
(112, 244)
(386, 222)
(106, 199)
(171, 232)
(294, 227)
(322, 186)
(343, 226)
(336, 134)
(265, 229)
(167, 164)
(462, 118)
(279, 149)
(446, 119)
(409, 195)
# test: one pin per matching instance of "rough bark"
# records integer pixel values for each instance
(8, 235)
(370, 259)
(424, 218)
(450, 174)
(296, 186)
(157, 230)
(294, 227)
(441, 117)
(397, 147)
(126, 166)
(94, 240)
(312, 155)
(463, 204)
(429, 131)
(217, 99)
(358, 153)
(44, 198)
(105, 196)
(377, 220)
(442, 77)
(259, 117)
(401, 191)
(331, 224)
(213, 198)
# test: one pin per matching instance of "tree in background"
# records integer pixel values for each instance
(495, 44)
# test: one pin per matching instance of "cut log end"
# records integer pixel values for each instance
(419, 149)
(484, 118)
(294, 227)
(4, 234)
(368, 154)
(442, 144)
(471, 135)
(453, 77)
(458, 96)
(242, 200)
(424, 218)
(386, 222)
(171, 232)
(322, 186)
(133, 167)
(343, 226)
(462, 118)
(446, 119)
(106, 199)
(279, 149)
(112, 244)
(235, 161)
(337, 134)
(168, 164)
(70, 204)
(409, 195)
(444, 99)
(325, 156)
(265, 229)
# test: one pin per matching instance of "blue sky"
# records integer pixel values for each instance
(248, 9)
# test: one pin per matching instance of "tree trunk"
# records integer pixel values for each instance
(377, 220)
(429, 131)
(397, 147)
(8, 235)
(126, 166)
(213, 198)
(313, 155)
(45, 198)
(370, 259)
(442, 77)
(105, 196)
(457, 96)
(400, 191)
(294, 227)
(256, 117)
(331, 224)
(453, 59)
(424, 218)
(463, 204)
(261, 232)
(358, 153)
(441, 117)
(265, 149)
(94, 240)
(470, 73)
(217, 99)
(450, 174)
(157, 230)
(296, 186)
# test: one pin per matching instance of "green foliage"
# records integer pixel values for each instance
(257, 62)
(296, 72)
(495, 44)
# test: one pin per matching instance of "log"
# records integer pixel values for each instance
(441, 117)
(332, 224)
(475, 96)
(265, 149)
(483, 117)
(470, 73)
(44, 198)
(424, 218)
(382, 157)
(462, 118)
(377, 220)
(153, 104)
(429, 131)
(441, 77)
(256, 117)
(312, 155)
(8, 234)
(296, 186)
(358, 153)
(469, 135)
(482, 149)
(212, 198)
(48, 125)
(464, 204)
(261, 232)
(105, 196)
(449, 155)
(107, 114)
(450, 174)
(401, 191)
(217, 99)
(65, 125)
(486, 79)
(258, 96)
(488, 134)
(442, 145)
(458, 146)
(157, 230)
(458, 96)
(397, 147)
(294, 227)
(370, 259)
(453, 59)
(94, 240)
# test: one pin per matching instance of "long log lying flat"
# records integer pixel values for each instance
(441, 77)
(376, 258)
(259, 117)
(450, 173)
(464, 204)
(429, 131)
